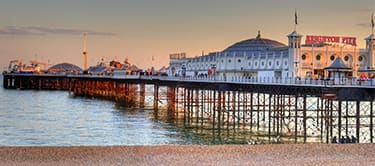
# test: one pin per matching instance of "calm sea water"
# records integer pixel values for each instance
(53, 118)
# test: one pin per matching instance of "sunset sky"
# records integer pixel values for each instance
(52, 30)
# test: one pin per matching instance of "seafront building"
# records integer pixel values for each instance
(261, 58)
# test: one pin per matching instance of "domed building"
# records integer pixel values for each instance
(254, 44)
(251, 58)
(64, 68)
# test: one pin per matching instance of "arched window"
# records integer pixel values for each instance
(360, 58)
(346, 58)
(318, 57)
(239, 60)
(332, 57)
(303, 57)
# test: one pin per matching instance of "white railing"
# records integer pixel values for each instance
(267, 80)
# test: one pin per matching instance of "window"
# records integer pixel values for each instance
(318, 57)
(250, 64)
(346, 58)
(360, 58)
(277, 63)
(239, 60)
(229, 61)
(332, 57)
(303, 57)
(269, 63)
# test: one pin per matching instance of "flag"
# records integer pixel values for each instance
(295, 17)
(372, 20)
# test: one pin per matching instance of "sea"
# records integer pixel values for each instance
(55, 118)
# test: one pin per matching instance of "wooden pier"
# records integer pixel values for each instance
(298, 112)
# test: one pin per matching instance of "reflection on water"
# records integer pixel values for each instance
(48, 118)
(205, 132)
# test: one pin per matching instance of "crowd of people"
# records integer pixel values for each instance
(344, 140)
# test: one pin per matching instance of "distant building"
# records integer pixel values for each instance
(261, 58)
(65, 68)
(178, 62)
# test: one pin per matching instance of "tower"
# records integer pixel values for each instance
(294, 43)
(85, 66)
(370, 46)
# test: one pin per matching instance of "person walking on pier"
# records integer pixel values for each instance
(334, 140)
(348, 140)
(342, 140)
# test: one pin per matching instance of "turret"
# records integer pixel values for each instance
(370, 47)
(294, 43)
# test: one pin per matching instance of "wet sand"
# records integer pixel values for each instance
(295, 154)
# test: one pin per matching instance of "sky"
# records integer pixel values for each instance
(147, 31)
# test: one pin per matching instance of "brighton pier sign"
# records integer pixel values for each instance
(311, 39)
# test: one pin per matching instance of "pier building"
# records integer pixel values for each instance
(64, 68)
(263, 58)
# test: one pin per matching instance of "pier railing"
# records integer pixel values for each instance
(333, 82)
(354, 82)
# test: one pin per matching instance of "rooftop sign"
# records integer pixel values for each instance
(310, 39)
(177, 55)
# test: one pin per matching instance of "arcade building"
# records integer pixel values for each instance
(261, 58)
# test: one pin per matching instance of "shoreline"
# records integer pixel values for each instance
(276, 154)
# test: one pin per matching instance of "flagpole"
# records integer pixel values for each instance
(295, 20)
(372, 23)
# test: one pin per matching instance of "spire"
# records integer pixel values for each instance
(258, 36)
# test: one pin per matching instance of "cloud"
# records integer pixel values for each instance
(35, 30)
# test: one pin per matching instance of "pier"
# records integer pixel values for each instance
(292, 110)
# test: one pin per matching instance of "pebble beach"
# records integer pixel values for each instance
(277, 154)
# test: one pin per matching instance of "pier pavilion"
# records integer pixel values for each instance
(263, 58)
